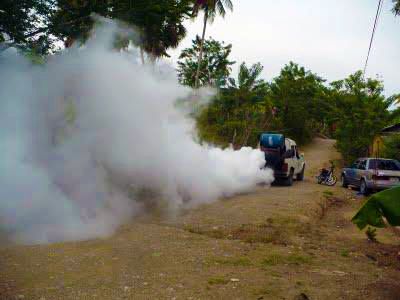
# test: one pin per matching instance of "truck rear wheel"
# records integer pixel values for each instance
(289, 179)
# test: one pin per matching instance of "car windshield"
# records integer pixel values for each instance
(381, 164)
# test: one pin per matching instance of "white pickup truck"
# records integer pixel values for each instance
(282, 155)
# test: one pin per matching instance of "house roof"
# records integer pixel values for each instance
(392, 128)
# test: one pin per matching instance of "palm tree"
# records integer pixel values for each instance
(250, 91)
(247, 80)
(210, 8)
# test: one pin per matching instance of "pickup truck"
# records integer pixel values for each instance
(283, 157)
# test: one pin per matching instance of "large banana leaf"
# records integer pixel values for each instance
(383, 204)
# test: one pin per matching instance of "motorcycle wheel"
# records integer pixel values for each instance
(331, 181)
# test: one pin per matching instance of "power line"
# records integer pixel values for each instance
(378, 13)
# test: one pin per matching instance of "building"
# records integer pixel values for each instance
(379, 140)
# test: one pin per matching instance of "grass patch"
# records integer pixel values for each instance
(259, 234)
(344, 252)
(217, 233)
(273, 260)
(278, 259)
(230, 261)
(217, 280)
(328, 193)
(274, 274)
(277, 230)
(300, 283)
(297, 259)
(268, 290)
(326, 202)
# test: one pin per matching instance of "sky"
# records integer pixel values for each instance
(329, 37)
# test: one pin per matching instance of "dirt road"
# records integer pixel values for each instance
(274, 243)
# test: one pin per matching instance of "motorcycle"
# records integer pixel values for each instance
(326, 176)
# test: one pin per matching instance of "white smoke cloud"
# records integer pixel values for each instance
(76, 132)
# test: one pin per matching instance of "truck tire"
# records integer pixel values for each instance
(289, 179)
(344, 181)
(300, 176)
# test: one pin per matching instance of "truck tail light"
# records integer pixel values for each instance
(284, 167)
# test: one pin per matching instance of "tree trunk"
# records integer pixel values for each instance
(196, 83)
(233, 140)
(153, 57)
(142, 55)
(246, 132)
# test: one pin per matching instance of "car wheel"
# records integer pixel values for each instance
(289, 179)
(363, 187)
(344, 182)
(300, 176)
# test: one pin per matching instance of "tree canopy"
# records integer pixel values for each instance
(211, 8)
(25, 24)
(36, 23)
(239, 112)
(215, 66)
(159, 23)
(396, 7)
(299, 104)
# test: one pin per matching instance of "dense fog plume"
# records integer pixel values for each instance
(77, 131)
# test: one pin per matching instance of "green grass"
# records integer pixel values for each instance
(292, 259)
(273, 260)
(297, 259)
(230, 261)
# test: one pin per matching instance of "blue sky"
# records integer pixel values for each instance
(329, 37)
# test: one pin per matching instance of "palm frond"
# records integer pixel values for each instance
(228, 4)
(232, 82)
(220, 8)
(243, 74)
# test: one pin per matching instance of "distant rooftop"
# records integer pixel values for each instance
(392, 128)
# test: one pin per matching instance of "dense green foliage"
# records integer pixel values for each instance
(72, 20)
(214, 67)
(239, 112)
(25, 24)
(211, 8)
(37, 24)
(294, 103)
(158, 23)
(299, 104)
(364, 112)
(396, 7)
(299, 96)
(392, 147)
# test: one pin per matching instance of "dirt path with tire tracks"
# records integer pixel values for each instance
(273, 243)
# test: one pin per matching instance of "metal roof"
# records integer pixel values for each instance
(392, 128)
